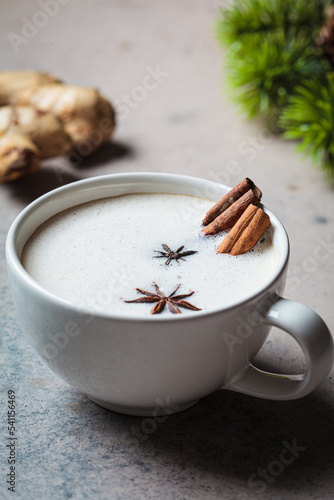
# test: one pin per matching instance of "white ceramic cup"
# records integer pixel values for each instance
(145, 366)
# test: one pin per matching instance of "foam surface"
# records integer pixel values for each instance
(98, 253)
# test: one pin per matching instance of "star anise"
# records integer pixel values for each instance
(171, 300)
(170, 255)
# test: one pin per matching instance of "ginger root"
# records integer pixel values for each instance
(12, 83)
(18, 156)
(49, 118)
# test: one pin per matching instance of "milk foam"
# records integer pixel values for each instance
(98, 253)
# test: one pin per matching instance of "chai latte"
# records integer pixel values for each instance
(97, 254)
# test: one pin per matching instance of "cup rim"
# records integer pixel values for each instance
(13, 259)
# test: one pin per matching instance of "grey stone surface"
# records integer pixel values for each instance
(68, 447)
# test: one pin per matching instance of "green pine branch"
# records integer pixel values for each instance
(309, 117)
(275, 70)
(259, 17)
(265, 74)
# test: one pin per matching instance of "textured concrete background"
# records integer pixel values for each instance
(67, 446)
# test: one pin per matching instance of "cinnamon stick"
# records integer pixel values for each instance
(229, 217)
(246, 232)
(229, 198)
(235, 233)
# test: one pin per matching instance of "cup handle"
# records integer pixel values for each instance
(312, 334)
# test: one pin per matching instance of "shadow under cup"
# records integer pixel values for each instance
(158, 365)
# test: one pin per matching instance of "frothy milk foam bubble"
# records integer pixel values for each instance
(97, 254)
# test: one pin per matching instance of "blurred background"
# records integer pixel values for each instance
(161, 66)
